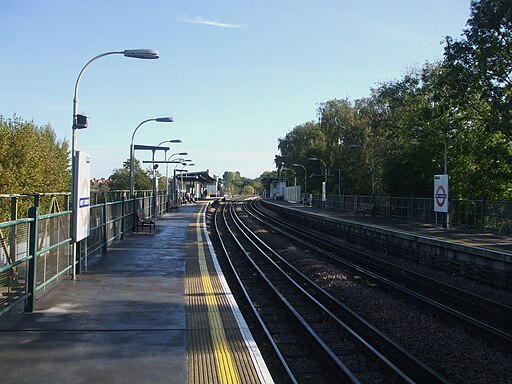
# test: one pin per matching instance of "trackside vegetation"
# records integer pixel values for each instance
(395, 140)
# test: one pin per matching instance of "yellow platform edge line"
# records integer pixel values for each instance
(259, 364)
(223, 357)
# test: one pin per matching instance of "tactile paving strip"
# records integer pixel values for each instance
(217, 353)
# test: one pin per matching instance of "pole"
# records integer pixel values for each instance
(339, 181)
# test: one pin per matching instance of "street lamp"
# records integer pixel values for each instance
(177, 154)
(325, 167)
(172, 141)
(79, 123)
(132, 154)
(305, 175)
(324, 190)
(134, 53)
(183, 162)
(294, 181)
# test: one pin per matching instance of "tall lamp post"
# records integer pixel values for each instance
(294, 182)
(185, 163)
(134, 53)
(80, 122)
(132, 154)
(166, 164)
(173, 180)
(179, 161)
(305, 176)
(324, 195)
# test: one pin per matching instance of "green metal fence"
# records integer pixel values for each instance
(36, 251)
(481, 215)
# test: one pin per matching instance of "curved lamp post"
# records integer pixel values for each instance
(134, 53)
(172, 141)
(179, 161)
(132, 157)
(324, 197)
(325, 167)
(185, 163)
(294, 182)
(305, 175)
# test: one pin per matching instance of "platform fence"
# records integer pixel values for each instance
(480, 215)
(36, 248)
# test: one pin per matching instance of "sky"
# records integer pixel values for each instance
(236, 75)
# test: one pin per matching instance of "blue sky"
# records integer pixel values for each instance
(235, 75)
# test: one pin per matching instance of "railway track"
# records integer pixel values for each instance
(316, 337)
(487, 318)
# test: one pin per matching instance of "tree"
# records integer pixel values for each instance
(345, 128)
(32, 160)
(481, 63)
(120, 178)
(302, 142)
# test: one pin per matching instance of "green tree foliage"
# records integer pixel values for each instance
(32, 160)
(400, 133)
(480, 63)
(302, 142)
(120, 178)
(235, 184)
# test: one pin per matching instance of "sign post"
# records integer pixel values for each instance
(441, 196)
(81, 203)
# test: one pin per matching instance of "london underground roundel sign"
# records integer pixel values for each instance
(441, 193)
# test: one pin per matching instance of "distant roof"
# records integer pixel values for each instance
(202, 176)
(267, 180)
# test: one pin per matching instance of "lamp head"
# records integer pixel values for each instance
(142, 53)
(175, 141)
(164, 119)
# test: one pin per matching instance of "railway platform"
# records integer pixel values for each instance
(154, 309)
(473, 238)
(481, 256)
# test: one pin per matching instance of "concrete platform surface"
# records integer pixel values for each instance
(470, 237)
(122, 321)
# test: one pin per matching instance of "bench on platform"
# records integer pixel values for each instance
(173, 206)
(365, 208)
(142, 220)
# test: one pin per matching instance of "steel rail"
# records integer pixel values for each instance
(490, 309)
(302, 236)
(397, 356)
(249, 301)
(338, 368)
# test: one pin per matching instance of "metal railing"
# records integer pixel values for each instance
(481, 215)
(36, 251)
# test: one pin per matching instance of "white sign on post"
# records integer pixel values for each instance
(441, 193)
(81, 200)
(324, 191)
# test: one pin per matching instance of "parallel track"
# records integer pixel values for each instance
(341, 352)
(490, 319)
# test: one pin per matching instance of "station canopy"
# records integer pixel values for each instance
(204, 177)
